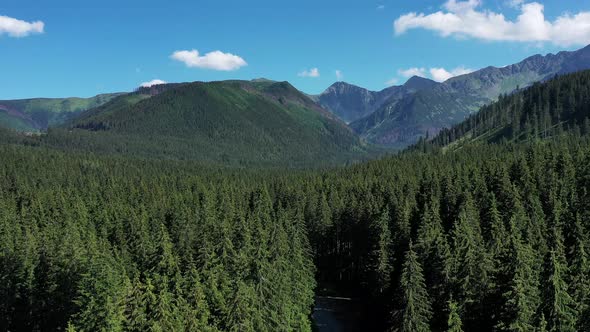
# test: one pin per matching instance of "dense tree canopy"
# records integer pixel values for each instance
(486, 237)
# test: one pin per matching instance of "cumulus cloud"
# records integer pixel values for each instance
(152, 83)
(412, 72)
(313, 72)
(339, 75)
(465, 19)
(18, 28)
(215, 60)
(441, 74)
(438, 74)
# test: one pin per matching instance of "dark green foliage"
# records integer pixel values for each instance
(381, 259)
(559, 307)
(521, 298)
(485, 237)
(123, 244)
(96, 244)
(233, 123)
(454, 321)
(414, 313)
(544, 110)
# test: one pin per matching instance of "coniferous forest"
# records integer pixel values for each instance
(479, 235)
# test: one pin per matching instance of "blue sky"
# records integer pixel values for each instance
(65, 48)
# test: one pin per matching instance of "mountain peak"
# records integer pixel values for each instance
(342, 88)
(417, 82)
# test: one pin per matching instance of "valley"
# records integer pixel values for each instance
(103, 241)
(423, 190)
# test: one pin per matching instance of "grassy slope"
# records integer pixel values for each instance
(40, 113)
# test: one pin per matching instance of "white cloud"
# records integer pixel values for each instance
(380, 7)
(215, 60)
(441, 74)
(17, 28)
(412, 72)
(313, 72)
(152, 83)
(339, 75)
(463, 19)
(438, 74)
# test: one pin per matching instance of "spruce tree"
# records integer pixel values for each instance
(414, 309)
(472, 266)
(521, 296)
(381, 261)
(454, 322)
(580, 275)
(434, 251)
(135, 308)
(558, 305)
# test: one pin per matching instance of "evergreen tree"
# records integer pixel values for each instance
(558, 305)
(580, 275)
(521, 296)
(135, 308)
(472, 265)
(454, 321)
(434, 252)
(414, 313)
(381, 254)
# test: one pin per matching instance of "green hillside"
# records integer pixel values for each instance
(39, 113)
(234, 123)
(541, 111)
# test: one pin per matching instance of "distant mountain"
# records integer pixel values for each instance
(350, 102)
(401, 122)
(39, 113)
(236, 123)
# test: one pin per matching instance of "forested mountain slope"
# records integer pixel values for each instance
(102, 243)
(39, 113)
(541, 111)
(400, 123)
(486, 237)
(231, 123)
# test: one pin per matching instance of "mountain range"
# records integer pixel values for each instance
(265, 122)
(399, 120)
(350, 102)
